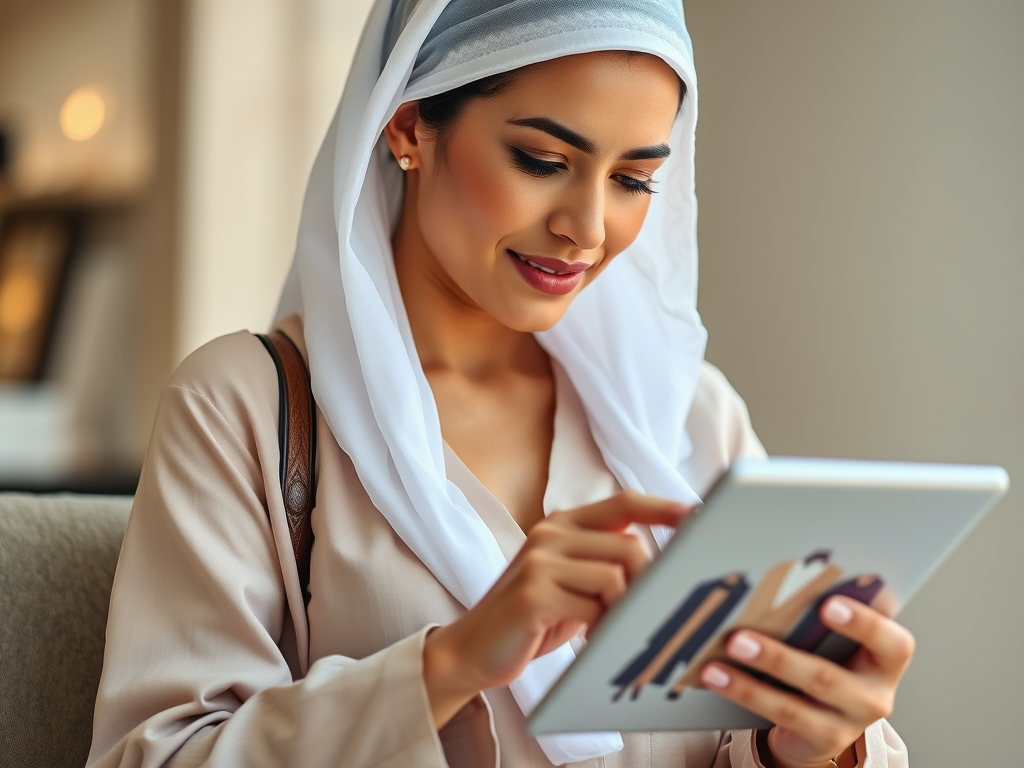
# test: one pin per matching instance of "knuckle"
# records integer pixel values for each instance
(788, 714)
(832, 735)
(630, 497)
(558, 517)
(618, 579)
(743, 693)
(636, 546)
(905, 645)
(592, 612)
(880, 707)
(636, 552)
(535, 563)
(613, 578)
(823, 682)
(544, 531)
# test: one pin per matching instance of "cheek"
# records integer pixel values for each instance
(632, 220)
(480, 191)
(623, 223)
(473, 202)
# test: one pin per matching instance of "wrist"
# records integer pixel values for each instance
(448, 686)
(769, 756)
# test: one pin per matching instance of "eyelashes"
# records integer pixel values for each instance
(635, 186)
(531, 165)
(527, 163)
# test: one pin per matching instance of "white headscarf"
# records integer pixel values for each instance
(631, 342)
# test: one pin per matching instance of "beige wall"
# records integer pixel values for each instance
(262, 79)
(861, 183)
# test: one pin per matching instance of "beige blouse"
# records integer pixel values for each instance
(205, 663)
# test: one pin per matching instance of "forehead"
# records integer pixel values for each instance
(613, 97)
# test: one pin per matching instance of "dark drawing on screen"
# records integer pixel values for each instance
(685, 632)
(785, 604)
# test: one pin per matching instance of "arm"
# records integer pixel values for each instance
(193, 674)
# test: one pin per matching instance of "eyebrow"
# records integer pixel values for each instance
(583, 144)
(657, 152)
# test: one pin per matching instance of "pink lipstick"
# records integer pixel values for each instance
(552, 276)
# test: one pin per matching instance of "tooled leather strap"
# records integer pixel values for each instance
(297, 440)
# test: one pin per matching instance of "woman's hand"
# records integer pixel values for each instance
(841, 701)
(573, 566)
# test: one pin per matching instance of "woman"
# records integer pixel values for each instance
(475, 372)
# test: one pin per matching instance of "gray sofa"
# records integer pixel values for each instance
(57, 561)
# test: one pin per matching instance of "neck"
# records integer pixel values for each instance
(452, 333)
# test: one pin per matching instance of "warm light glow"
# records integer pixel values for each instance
(21, 300)
(82, 114)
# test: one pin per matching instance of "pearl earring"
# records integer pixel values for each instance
(404, 162)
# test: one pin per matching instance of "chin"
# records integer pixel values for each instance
(535, 319)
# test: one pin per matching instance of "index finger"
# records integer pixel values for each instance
(618, 512)
(891, 645)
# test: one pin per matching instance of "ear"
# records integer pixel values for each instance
(400, 133)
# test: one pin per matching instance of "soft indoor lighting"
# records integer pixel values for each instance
(21, 301)
(82, 114)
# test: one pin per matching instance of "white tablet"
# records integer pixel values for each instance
(773, 540)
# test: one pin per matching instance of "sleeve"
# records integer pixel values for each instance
(193, 674)
(879, 747)
(719, 430)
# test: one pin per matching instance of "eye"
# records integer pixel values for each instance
(531, 165)
(634, 186)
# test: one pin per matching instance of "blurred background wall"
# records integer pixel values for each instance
(170, 208)
(861, 179)
(89, 155)
(262, 80)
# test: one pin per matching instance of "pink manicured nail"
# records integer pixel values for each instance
(716, 677)
(838, 612)
(742, 646)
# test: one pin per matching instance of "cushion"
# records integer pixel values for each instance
(57, 561)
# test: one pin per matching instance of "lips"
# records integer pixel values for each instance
(551, 276)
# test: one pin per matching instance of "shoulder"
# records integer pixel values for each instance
(228, 391)
(719, 428)
(229, 372)
(224, 393)
(717, 403)
(715, 396)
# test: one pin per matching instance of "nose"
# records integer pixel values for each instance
(579, 216)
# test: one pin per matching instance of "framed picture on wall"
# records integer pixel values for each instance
(35, 249)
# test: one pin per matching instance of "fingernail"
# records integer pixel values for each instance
(838, 612)
(716, 677)
(742, 646)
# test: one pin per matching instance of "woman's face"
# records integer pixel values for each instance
(541, 186)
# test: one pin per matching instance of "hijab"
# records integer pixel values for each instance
(631, 342)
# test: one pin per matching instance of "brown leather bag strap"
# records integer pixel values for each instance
(297, 440)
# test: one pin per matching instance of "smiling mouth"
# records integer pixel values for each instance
(535, 265)
(553, 266)
(551, 276)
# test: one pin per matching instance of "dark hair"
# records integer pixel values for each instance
(439, 114)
